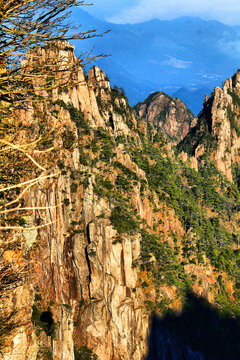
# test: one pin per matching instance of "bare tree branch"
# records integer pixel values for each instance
(25, 25)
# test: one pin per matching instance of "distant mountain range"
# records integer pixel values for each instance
(192, 98)
(185, 57)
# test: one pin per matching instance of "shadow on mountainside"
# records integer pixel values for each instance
(200, 332)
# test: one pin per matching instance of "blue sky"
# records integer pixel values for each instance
(133, 11)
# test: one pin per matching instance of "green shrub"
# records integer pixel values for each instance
(123, 221)
(231, 116)
(68, 139)
(73, 188)
(84, 353)
(84, 157)
(77, 116)
(44, 321)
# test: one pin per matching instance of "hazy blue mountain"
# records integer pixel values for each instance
(187, 52)
(192, 98)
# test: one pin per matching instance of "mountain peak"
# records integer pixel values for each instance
(218, 128)
(170, 115)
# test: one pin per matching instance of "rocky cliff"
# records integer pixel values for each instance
(169, 115)
(103, 224)
(216, 134)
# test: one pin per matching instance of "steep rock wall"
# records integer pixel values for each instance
(170, 115)
(216, 133)
(118, 228)
(80, 276)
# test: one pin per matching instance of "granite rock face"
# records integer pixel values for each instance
(103, 245)
(75, 270)
(216, 133)
(170, 115)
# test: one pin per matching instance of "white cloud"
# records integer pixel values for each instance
(226, 11)
(177, 63)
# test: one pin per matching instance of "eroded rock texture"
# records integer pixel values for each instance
(71, 268)
(170, 115)
(216, 133)
(118, 227)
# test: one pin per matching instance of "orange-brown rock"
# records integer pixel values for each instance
(68, 260)
(217, 130)
(170, 115)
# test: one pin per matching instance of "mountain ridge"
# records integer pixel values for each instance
(169, 115)
(193, 99)
(122, 225)
(175, 48)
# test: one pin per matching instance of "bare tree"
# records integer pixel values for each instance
(24, 25)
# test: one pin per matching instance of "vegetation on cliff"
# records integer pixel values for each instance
(169, 115)
(104, 193)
